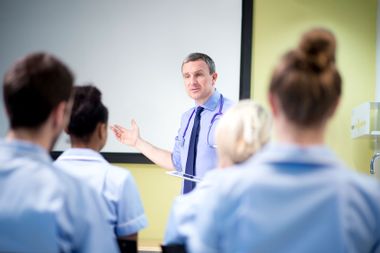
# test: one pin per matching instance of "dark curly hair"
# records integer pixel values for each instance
(88, 110)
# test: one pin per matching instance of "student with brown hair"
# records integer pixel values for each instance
(295, 195)
(41, 208)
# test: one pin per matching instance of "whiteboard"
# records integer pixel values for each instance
(131, 50)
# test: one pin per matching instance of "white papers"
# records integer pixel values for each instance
(185, 176)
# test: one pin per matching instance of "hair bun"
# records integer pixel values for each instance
(88, 93)
(318, 46)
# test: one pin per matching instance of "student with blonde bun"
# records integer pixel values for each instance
(295, 195)
(241, 132)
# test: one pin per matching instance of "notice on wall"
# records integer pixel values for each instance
(360, 120)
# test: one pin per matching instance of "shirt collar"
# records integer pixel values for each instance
(81, 154)
(212, 101)
(20, 148)
(276, 152)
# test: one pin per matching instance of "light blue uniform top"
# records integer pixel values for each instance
(288, 199)
(44, 210)
(206, 155)
(115, 185)
(185, 208)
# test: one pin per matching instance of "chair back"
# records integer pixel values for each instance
(173, 248)
(127, 246)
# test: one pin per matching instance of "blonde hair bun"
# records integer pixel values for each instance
(242, 131)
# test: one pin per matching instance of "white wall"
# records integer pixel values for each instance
(131, 49)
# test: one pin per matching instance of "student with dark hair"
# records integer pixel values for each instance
(295, 195)
(41, 208)
(88, 134)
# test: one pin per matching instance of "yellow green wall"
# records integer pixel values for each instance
(277, 27)
(158, 191)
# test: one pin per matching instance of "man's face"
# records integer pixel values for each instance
(199, 83)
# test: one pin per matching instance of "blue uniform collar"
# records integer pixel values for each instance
(81, 154)
(20, 148)
(212, 101)
(276, 152)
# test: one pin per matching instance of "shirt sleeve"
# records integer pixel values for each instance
(178, 142)
(131, 217)
(172, 233)
(176, 155)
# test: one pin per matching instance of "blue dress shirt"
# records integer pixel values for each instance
(206, 155)
(44, 210)
(288, 199)
(115, 185)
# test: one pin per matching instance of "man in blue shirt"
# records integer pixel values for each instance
(199, 75)
(41, 208)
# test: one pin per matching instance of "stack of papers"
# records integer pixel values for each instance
(185, 176)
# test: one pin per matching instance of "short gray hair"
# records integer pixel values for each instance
(199, 56)
(242, 131)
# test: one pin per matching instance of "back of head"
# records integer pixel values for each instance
(200, 56)
(88, 110)
(306, 81)
(242, 131)
(33, 87)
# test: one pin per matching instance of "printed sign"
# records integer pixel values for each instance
(360, 120)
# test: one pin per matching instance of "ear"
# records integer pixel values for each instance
(334, 108)
(101, 134)
(273, 103)
(214, 76)
(59, 115)
(101, 130)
